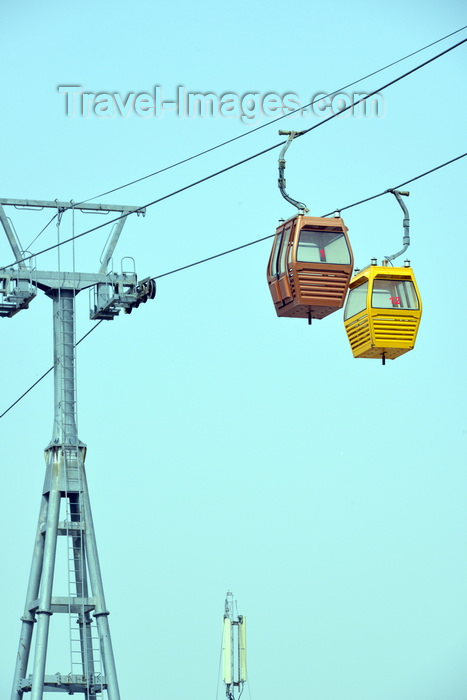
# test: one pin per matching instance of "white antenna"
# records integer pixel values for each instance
(233, 649)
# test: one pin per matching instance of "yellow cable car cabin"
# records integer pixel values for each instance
(383, 312)
(310, 267)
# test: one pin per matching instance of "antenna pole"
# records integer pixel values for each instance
(233, 650)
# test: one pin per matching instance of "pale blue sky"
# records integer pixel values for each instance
(229, 449)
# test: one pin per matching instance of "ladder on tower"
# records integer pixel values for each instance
(85, 659)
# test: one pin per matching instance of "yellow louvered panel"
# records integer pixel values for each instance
(358, 333)
(399, 330)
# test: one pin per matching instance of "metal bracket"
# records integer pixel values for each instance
(120, 292)
(398, 194)
(16, 292)
(281, 181)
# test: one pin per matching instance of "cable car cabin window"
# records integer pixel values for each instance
(356, 301)
(394, 294)
(284, 252)
(323, 247)
(275, 255)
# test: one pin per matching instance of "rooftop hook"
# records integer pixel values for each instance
(281, 182)
(398, 194)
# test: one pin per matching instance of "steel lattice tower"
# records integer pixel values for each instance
(65, 510)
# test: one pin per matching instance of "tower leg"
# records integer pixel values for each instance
(28, 619)
(100, 612)
(44, 610)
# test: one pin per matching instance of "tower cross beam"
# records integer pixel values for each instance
(63, 206)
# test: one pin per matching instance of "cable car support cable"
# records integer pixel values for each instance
(234, 250)
(262, 126)
(140, 210)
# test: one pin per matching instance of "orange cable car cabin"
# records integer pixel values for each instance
(383, 312)
(310, 267)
